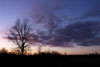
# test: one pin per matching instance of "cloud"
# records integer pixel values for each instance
(79, 33)
(59, 33)
(82, 33)
(43, 11)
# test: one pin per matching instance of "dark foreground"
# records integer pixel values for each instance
(52, 60)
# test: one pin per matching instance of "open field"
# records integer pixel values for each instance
(53, 60)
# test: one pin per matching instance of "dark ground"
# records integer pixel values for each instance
(45, 60)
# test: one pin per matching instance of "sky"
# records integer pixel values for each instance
(71, 26)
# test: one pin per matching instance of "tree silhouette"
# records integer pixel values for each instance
(3, 51)
(20, 34)
(39, 49)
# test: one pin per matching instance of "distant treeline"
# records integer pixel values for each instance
(4, 51)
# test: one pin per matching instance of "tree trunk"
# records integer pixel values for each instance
(22, 49)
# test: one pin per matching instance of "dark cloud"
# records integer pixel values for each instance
(59, 32)
(82, 33)
(79, 33)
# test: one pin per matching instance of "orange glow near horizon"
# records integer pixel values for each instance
(4, 43)
(75, 50)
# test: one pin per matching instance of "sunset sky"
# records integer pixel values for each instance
(71, 26)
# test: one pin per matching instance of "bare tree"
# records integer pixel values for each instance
(20, 34)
